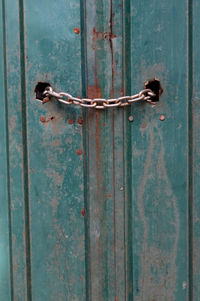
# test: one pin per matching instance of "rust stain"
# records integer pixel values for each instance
(83, 212)
(31, 170)
(54, 202)
(79, 152)
(54, 205)
(44, 120)
(108, 195)
(15, 267)
(70, 121)
(97, 146)
(55, 143)
(45, 100)
(55, 176)
(111, 48)
(144, 125)
(102, 35)
(80, 120)
(12, 121)
(94, 91)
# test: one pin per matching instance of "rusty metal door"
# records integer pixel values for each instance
(99, 204)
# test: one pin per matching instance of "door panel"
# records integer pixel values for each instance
(55, 153)
(160, 152)
(16, 146)
(104, 153)
(5, 276)
(99, 205)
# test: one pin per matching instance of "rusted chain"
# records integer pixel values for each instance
(99, 103)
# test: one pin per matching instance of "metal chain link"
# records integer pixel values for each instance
(99, 103)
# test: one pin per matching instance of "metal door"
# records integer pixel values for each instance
(99, 204)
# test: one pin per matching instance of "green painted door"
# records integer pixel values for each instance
(99, 205)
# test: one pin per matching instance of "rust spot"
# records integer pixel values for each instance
(79, 152)
(15, 267)
(162, 117)
(108, 195)
(144, 125)
(42, 118)
(80, 120)
(77, 30)
(83, 212)
(70, 121)
(55, 143)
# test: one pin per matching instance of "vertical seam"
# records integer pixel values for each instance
(25, 150)
(190, 145)
(85, 147)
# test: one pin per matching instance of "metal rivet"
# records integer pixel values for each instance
(79, 152)
(76, 30)
(130, 118)
(162, 117)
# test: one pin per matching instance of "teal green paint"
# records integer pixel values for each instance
(105, 154)
(15, 146)
(56, 182)
(159, 160)
(194, 153)
(191, 291)
(5, 243)
(127, 144)
(25, 151)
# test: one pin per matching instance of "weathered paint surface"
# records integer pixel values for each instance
(99, 205)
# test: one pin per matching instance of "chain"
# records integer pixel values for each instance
(99, 103)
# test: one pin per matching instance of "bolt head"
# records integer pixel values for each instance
(162, 117)
(130, 118)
